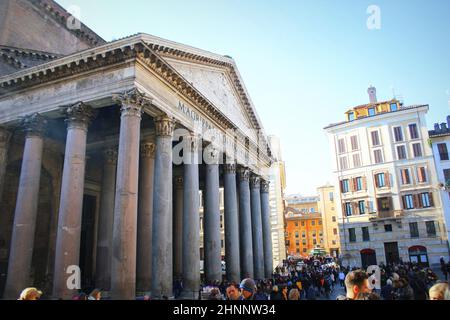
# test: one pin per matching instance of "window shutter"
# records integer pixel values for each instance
(364, 183)
(387, 179)
(404, 176)
(341, 184)
(404, 202)
(344, 211)
(416, 201)
(431, 199)
(376, 181)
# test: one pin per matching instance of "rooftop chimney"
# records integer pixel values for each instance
(372, 94)
(437, 128)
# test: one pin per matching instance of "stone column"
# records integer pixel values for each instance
(22, 242)
(5, 137)
(267, 229)
(106, 220)
(178, 228)
(145, 218)
(68, 236)
(123, 267)
(191, 220)
(258, 250)
(231, 224)
(245, 225)
(212, 238)
(162, 259)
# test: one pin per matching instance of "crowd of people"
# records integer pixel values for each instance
(317, 278)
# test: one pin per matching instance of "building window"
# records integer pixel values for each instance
(401, 152)
(345, 186)
(297, 242)
(443, 151)
(414, 229)
(431, 228)
(362, 207)
(413, 132)
(380, 180)
(352, 235)
(372, 111)
(351, 116)
(311, 210)
(356, 160)
(375, 138)
(333, 219)
(320, 222)
(343, 163)
(384, 204)
(378, 156)
(305, 250)
(365, 234)
(398, 134)
(406, 177)
(348, 209)
(331, 196)
(417, 150)
(354, 143)
(341, 145)
(314, 241)
(313, 223)
(335, 231)
(394, 107)
(296, 224)
(425, 200)
(296, 234)
(304, 242)
(303, 223)
(359, 184)
(333, 242)
(422, 174)
(388, 227)
(408, 202)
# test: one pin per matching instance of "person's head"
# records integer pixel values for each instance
(294, 294)
(357, 284)
(248, 288)
(233, 292)
(215, 294)
(437, 292)
(389, 282)
(96, 294)
(275, 289)
(30, 294)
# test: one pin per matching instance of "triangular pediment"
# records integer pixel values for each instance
(215, 84)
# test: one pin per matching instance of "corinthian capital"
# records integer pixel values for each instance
(255, 181)
(34, 125)
(229, 168)
(148, 150)
(79, 115)
(191, 142)
(164, 125)
(132, 102)
(110, 155)
(244, 174)
(265, 185)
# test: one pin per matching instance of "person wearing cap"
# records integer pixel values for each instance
(248, 289)
(30, 294)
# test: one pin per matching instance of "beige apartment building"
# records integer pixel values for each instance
(327, 207)
(388, 199)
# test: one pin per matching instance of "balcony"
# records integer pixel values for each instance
(386, 215)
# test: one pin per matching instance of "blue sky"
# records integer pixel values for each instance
(304, 62)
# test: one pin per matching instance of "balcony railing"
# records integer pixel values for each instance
(391, 214)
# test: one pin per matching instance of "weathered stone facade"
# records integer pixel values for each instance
(103, 199)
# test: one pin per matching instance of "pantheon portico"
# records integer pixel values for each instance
(103, 153)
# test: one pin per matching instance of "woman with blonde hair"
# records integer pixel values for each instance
(437, 292)
(30, 294)
(294, 294)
